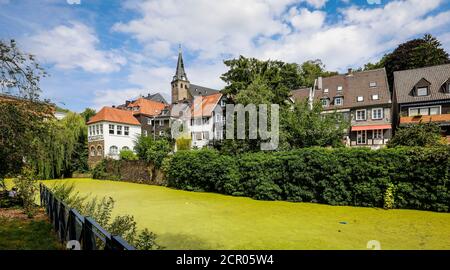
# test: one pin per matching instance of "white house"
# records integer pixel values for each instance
(110, 131)
(207, 119)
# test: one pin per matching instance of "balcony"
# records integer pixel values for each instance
(439, 118)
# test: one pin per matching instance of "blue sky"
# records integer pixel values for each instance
(102, 52)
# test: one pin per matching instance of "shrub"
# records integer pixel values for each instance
(128, 155)
(27, 188)
(152, 150)
(343, 176)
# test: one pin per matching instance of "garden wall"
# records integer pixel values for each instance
(135, 171)
(418, 177)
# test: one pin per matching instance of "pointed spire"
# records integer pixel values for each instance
(180, 74)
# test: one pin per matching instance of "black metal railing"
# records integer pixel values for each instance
(72, 226)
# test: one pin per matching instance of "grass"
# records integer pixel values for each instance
(195, 220)
(17, 232)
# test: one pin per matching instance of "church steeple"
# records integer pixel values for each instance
(180, 74)
(180, 83)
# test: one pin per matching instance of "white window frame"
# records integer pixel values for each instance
(381, 114)
(326, 102)
(361, 137)
(119, 130)
(161, 122)
(424, 107)
(126, 130)
(373, 84)
(358, 118)
(360, 98)
(377, 134)
(113, 150)
(341, 101)
(325, 90)
(150, 121)
(421, 88)
(111, 128)
(340, 88)
(375, 97)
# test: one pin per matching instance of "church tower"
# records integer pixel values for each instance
(180, 83)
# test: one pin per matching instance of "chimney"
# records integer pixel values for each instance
(350, 71)
(319, 83)
(127, 102)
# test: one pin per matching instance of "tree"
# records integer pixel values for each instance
(20, 74)
(281, 77)
(416, 53)
(313, 69)
(127, 155)
(303, 127)
(422, 134)
(257, 92)
(152, 150)
(87, 114)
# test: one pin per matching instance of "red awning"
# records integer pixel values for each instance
(358, 128)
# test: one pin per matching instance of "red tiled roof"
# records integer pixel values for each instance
(147, 107)
(204, 105)
(114, 115)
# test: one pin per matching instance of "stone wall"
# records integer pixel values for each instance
(135, 171)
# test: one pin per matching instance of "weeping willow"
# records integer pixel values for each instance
(54, 149)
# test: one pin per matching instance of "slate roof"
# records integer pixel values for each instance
(156, 97)
(197, 90)
(114, 115)
(405, 81)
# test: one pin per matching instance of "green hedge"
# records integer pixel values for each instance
(345, 176)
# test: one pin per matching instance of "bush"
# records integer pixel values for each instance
(27, 188)
(344, 176)
(127, 155)
(152, 150)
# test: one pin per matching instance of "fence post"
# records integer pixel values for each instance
(55, 213)
(71, 223)
(62, 221)
(88, 235)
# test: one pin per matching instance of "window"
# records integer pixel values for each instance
(161, 122)
(377, 114)
(325, 90)
(205, 121)
(198, 121)
(360, 98)
(378, 134)
(99, 151)
(92, 151)
(434, 110)
(360, 115)
(324, 102)
(372, 84)
(198, 136)
(425, 111)
(338, 101)
(111, 129)
(223, 103)
(149, 122)
(101, 129)
(125, 148)
(361, 137)
(161, 133)
(97, 128)
(448, 87)
(205, 135)
(90, 131)
(145, 133)
(422, 91)
(375, 97)
(339, 88)
(119, 130)
(113, 150)
(126, 131)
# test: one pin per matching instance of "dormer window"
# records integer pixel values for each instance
(422, 91)
(360, 99)
(339, 88)
(325, 102)
(375, 97)
(422, 88)
(372, 84)
(446, 87)
(325, 90)
(338, 101)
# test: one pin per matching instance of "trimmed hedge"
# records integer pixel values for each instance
(344, 176)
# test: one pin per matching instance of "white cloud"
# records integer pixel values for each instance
(110, 97)
(74, 46)
(305, 20)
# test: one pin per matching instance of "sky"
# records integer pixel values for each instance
(101, 53)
